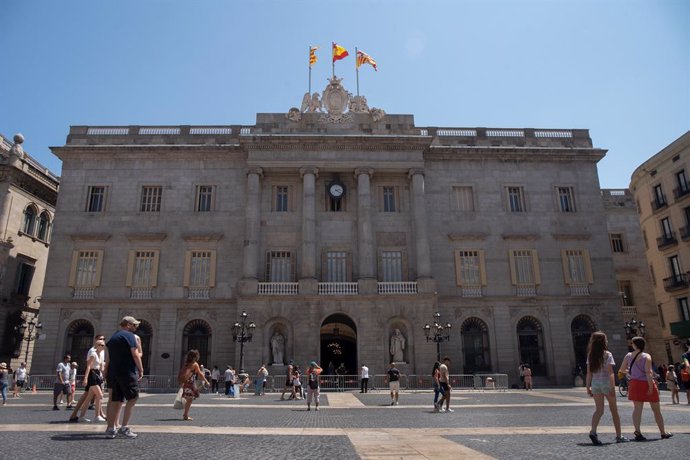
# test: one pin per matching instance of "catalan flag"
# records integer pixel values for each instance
(364, 58)
(312, 55)
(339, 52)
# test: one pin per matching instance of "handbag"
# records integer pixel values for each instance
(178, 404)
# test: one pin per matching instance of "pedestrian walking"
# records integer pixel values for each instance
(313, 387)
(394, 383)
(528, 377)
(444, 383)
(229, 377)
(672, 384)
(189, 376)
(19, 379)
(72, 383)
(289, 383)
(4, 378)
(125, 370)
(436, 385)
(215, 376)
(297, 382)
(364, 378)
(521, 371)
(642, 387)
(601, 383)
(62, 385)
(93, 379)
(684, 377)
(87, 397)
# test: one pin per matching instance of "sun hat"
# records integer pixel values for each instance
(3, 365)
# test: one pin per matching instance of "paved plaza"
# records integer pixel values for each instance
(511, 424)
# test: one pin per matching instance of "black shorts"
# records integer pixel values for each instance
(94, 379)
(288, 383)
(444, 387)
(125, 387)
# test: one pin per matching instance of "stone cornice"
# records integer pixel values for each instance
(513, 153)
(146, 236)
(571, 236)
(340, 143)
(206, 237)
(520, 236)
(467, 236)
(102, 237)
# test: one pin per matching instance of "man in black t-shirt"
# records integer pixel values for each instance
(394, 383)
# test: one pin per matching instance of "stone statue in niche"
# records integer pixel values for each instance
(397, 346)
(278, 348)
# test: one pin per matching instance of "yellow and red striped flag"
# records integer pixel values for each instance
(339, 52)
(364, 58)
(312, 55)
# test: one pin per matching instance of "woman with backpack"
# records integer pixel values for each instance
(313, 384)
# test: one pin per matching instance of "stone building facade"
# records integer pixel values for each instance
(340, 233)
(28, 193)
(661, 187)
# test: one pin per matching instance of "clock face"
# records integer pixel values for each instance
(336, 190)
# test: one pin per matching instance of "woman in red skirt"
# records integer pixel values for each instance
(642, 387)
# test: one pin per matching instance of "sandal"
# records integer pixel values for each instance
(595, 439)
(187, 418)
(666, 435)
(638, 436)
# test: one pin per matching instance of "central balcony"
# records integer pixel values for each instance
(676, 282)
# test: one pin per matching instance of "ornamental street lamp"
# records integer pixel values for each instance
(437, 333)
(28, 331)
(243, 332)
(633, 328)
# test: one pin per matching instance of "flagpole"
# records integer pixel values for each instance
(309, 69)
(357, 70)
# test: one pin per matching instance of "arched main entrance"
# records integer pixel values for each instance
(581, 329)
(339, 343)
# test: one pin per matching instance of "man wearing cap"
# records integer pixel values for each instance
(125, 369)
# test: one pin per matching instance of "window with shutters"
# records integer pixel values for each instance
(469, 266)
(391, 265)
(462, 199)
(280, 267)
(86, 269)
(576, 264)
(626, 293)
(566, 200)
(96, 196)
(204, 198)
(151, 197)
(337, 267)
(684, 308)
(515, 199)
(523, 265)
(144, 267)
(616, 242)
(200, 268)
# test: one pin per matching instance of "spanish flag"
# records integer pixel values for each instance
(364, 58)
(339, 52)
(312, 55)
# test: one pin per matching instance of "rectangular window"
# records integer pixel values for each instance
(470, 268)
(142, 269)
(524, 267)
(516, 201)
(200, 269)
(684, 308)
(336, 267)
(674, 265)
(391, 266)
(25, 274)
(462, 199)
(96, 198)
(151, 197)
(280, 267)
(659, 198)
(204, 198)
(652, 275)
(389, 199)
(566, 200)
(281, 196)
(86, 269)
(625, 291)
(660, 312)
(616, 242)
(682, 181)
(576, 266)
(666, 230)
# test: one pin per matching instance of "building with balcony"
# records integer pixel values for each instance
(28, 193)
(334, 230)
(662, 193)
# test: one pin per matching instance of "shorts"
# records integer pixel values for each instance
(21, 383)
(444, 387)
(637, 391)
(601, 388)
(94, 379)
(125, 387)
(288, 383)
(65, 388)
(394, 386)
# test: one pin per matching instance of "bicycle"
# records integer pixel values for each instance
(623, 387)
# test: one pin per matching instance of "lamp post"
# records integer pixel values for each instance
(28, 331)
(437, 333)
(633, 328)
(243, 332)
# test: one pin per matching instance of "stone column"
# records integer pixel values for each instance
(308, 281)
(5, 214)
(365, 233)
(421, 236)
(248, 283)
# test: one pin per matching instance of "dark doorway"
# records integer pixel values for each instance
(339, 344)
(581, 329)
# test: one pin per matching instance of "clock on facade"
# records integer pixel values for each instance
(336, 190)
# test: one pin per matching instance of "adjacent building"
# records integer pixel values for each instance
(661, 187)
(28, 193)
(341, 231)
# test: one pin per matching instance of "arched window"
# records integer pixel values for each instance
(145, 332)
(197, 336)
(475, 346)
(43, 226)
(581, 329)
(531, 344)
(79, 340)
(29, 220)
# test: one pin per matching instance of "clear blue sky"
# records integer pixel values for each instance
(620, 68)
